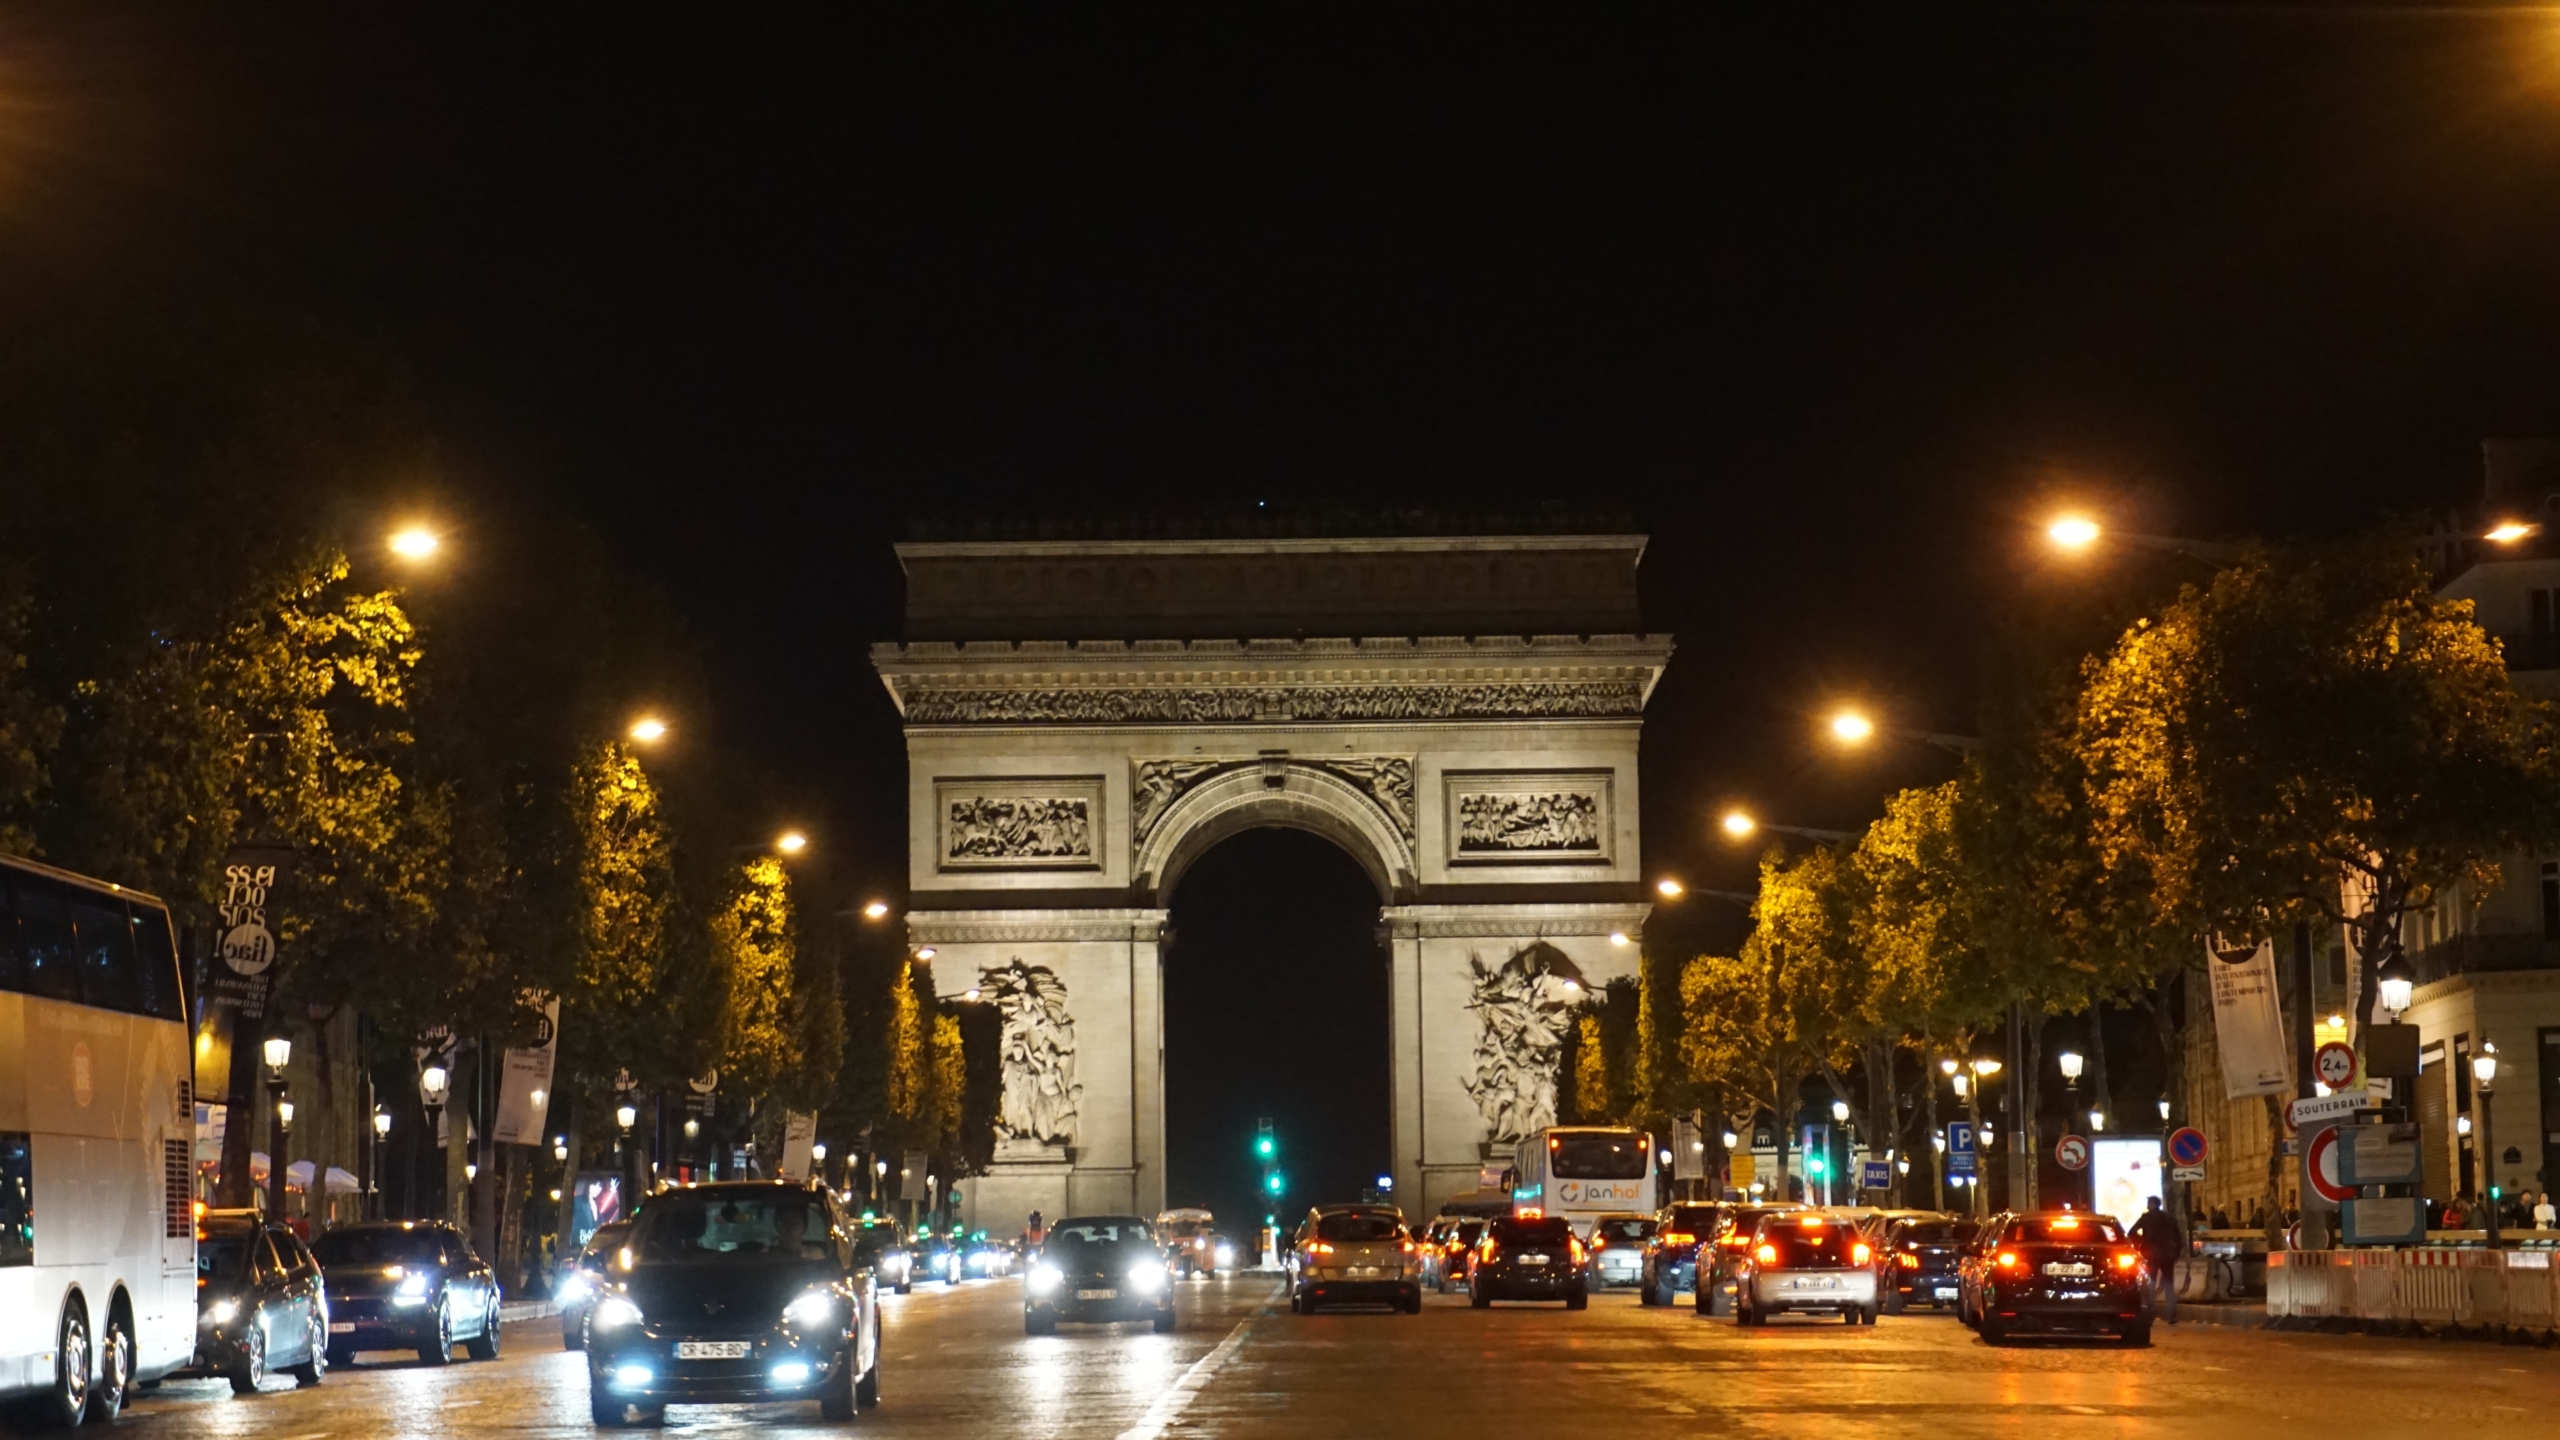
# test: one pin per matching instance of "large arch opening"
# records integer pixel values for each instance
(1276, 1004)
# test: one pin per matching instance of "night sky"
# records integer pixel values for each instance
(1836, 303)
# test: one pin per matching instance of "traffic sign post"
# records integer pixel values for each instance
(2335, 1064)
(1875, 1175)
(1960, 1149)
(2071, 1152)
(2186, 1146)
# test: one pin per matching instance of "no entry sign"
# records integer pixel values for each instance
(2321, 1184)
(2071, 1152)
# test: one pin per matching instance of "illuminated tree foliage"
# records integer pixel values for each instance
(625, 883)
(29, 726)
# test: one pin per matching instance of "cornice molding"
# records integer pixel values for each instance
(1004, 927)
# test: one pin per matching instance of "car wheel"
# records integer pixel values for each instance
(1413, 1303)
(836, 1402)
(438, 1350)
(905, 1287)
(1992, 1332)
(1034, 1323)
(341, 1358)
(1867, 1316)
(251, 1372)
(1893, 1301)
(866, 1391)
(1165, 1322)
(114, 1384)
(2138, 1336)
(572, 1337)
(484, 1346)
(315, 1356)
(66, 1400)
(607, 1412)
(1849, 1317)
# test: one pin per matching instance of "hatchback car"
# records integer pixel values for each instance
(1617, 1249)
(1806, 1263)
(1920, 1262)
(259, 1303)
(740, 1291)
(407, 1285)
(1533, 1257)
(1357, 1255)
(1446, 1249)
(1100, 1268)
(1720, 1259)
(1671, 1252)
(2057, 1272)
(581, 1278)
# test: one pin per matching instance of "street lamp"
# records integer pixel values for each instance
(560, 1149)
(625, 1116)
(2396, 979)
(876, 910)
(1738, 824)
(1852, 728)
(2508, 532)
(1742, 825)
(381, 1133)
(2484, 1071)
(1731, 1140)
(791, 842)
(2097, 1121)
(1669, 889)
(2072, 1065)
(1840, 1111)
(2072, 532)
(648, 729)
(278, 1053)
(2164, 1110)
(414, 543)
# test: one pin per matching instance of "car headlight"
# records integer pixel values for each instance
(412, 1291)
(811, 1310)
(223, 1312)
(615, 1312)
(573, 1287)
(1146, 1277)
(1226, 1256)
(1045, 1278)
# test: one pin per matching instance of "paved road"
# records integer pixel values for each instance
(1241, 1365)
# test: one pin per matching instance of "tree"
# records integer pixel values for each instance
(2308, 717)
(29, 726)
(754, 947)
(625, 889)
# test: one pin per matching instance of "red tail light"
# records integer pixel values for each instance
(1768, 1254)
(2128, 1259)
(1408, 1247)
(1907, 1260)
(1859, 1254)
(1575, 1246)
(1678, 1237)
(2007, 1260)
(1319, 1248)
(1736, 1242)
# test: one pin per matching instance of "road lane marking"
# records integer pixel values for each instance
(1170, 1405)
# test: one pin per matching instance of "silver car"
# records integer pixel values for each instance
(1807, 1263)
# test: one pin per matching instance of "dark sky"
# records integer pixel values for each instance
(1835, 300)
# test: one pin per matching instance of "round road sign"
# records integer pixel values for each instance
(2186, 1146)
(2320, 1167)
(2071, 1152)
(2335, 1064)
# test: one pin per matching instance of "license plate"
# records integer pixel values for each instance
(1823, 1282)
(2076, 1272)
(1946, 1292)
(713, 1349)
(342, 1327)
(1533, 1259)
(1097, 1294)
(1364, 1269)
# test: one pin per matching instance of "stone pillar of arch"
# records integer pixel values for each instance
(1084, 719)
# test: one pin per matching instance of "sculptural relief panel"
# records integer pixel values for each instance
(1031, 823)
(1511, 818)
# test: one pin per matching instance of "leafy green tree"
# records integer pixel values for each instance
(29, 726)
(754, 945)
(625, 891)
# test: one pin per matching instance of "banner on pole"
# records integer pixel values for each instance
(2248, 1021)
(799, 1134)
(524, 1092)
(1688, 1152)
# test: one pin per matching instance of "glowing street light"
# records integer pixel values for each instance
(1617, 937)
(791, 842)
(2508, 532)
(415, 542)
(876, 910)
(1738, 824)
(926, 952)
(1741, 825)
(648, 730)
(1850, 727)
(2072, 532)
(1669, 889)
(1840, 1111)
(2396, 979)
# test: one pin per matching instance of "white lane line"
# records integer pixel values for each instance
(1170, 1405)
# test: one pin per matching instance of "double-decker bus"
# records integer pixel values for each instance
(1582, 1172)
(97, 1220)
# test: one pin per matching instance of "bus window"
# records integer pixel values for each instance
(1597, 1155)
(107, 978)
(17, 1201)
(44, 941)
(155, 954)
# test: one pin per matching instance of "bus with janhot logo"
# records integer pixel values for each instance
(1582, 1172)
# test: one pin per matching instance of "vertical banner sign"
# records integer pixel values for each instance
(2355, 897)
(1688, 1157)
(239, 979)
(524, 1087)
(912, 1169)
(799, 1133)
(2248, 1021)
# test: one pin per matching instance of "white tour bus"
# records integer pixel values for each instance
(97, 1220)
(1582, 1172)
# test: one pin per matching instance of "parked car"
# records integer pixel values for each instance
(1617, 1250)
(1671, 1252)
(1919, 1259)
(407, 1285)
(1445, 1249)
(260, 1304)
(877, 1244)
(2066, 1271)
(1357, 1255)
(1101, 1269)
(1529, 1258)
(1720, 1258)
(735, 1292)
(1805, 1262)
(582, 1278)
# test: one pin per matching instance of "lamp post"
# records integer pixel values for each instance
(2396, 980)
(2484, 1071)
(381, 1133)
(278, 1053)
(626, 1115)
(434, 1087)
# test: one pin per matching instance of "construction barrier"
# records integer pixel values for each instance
(2434, 1286)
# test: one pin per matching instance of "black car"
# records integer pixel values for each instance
(1529, 1258)
(582, 1278)
(878, 1246)
(1671, 1256)
(743, 1291)
(2066, 1272)
(937, 1257)
(259, 1303)
(1920, 1262)
(1101, 1268)
(407, 1285)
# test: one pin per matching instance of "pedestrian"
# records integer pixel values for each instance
(2545, 1215)
(2158, 1237)
(2218, 1220)
(2457, 1212)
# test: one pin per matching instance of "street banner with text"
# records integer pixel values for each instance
(2249, 1021)
(799, 1136)
(524, 1087)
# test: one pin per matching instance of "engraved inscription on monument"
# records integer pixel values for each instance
(1510, 819)
(1019, 824)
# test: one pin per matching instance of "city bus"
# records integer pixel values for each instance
(97, 1217)
(1582, 1172)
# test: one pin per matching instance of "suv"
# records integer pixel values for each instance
(1360, 1254)
(1720, 1256)
(1671, 1256)
(1100, 1268)
(259, 1302)
(407, 1285)
(1529, 1257)
(1807, 1261)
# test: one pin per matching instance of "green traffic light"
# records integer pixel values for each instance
(1274, 1184)
(1813, 1165)
(1264, 1146)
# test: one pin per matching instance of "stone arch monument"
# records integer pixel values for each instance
(1087, 716)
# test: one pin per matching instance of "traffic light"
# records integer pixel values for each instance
(1275, 1182)
(1265, 1144)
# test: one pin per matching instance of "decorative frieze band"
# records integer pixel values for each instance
(1607, 699)
(1032, 823)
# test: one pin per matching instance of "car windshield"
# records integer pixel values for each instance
(1746, 1221)
(1546, 1230)
(1071, 1240)
(369, 1247)
(2063, 1230)
(1358, 1227)
(1934, 1232)
(223, 1256)
(777, 1225)
(1795, 1243)
(873, 1240)
(607, 1239)
(1596, 1155)
(1624, 1229)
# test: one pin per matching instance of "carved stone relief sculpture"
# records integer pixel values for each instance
(1385, 779)
(1524, 1007)
(1037, 1045)
(969, 705)
(1496, 818)
(1019, 824)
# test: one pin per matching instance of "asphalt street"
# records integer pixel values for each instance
(1242, 1365)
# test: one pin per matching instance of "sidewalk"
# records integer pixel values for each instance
(2240, 1314)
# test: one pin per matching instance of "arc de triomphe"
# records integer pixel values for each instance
(1085, 718)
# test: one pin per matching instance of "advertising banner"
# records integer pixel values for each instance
(799, 1134)
(2124, 1174)
(2248, 1021)
(524, 1086)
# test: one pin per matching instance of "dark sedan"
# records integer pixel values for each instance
(259, 1303)
(1100, 1268)
(2059, 1272)
(1920, 1262)
(407, 1285)
(738, 1292)
(582, 1278)
(1671, 1254)
(1529, 1258)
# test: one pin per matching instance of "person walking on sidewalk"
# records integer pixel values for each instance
(2161, 1242)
